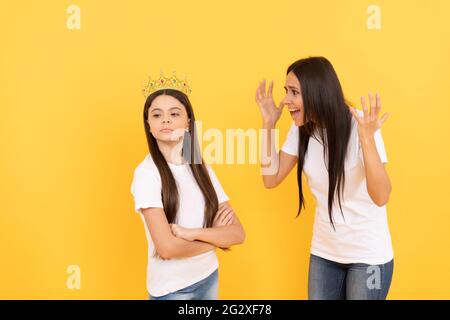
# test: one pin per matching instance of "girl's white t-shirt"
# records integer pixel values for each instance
(166, 276)
(362, 234)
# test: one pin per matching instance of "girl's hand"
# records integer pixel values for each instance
(224, 216)
(183, 233)
(369, 123)
(270, 113)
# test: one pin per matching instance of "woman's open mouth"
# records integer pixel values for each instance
(295, 113)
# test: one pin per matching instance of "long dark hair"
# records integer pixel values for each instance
(328, 120)
(191, 153)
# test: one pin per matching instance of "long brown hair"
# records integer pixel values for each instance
(191, 153)
(324, 102)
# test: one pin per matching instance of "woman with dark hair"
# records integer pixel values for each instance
(341, 152)
(184, 209)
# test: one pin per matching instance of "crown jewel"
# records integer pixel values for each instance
(162, 82)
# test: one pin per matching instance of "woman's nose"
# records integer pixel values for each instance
(286, 100)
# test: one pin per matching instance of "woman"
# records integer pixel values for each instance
(342, 155)
(185, 211)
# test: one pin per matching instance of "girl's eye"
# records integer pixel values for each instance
(156, 116)
(294, 93)
(175, 114)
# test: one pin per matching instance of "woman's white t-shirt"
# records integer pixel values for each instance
(166, 276)
(362, 235)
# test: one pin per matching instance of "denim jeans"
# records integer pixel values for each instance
(206, 289)
(329, 280)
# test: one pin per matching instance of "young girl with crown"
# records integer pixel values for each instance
(185, 211)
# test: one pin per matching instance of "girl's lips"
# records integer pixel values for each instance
(166, 130)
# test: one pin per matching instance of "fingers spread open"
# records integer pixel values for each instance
(384, 118)
(378, 105)
(269, 92)
(364, 107)
(372, 104)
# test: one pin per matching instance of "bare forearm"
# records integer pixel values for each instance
(378, 183)
(269, 156)
(180, 248)
(221, 237)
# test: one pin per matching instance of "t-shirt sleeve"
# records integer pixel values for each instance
(290, 145)
(146, 190)
(380, 147)
(221, 195)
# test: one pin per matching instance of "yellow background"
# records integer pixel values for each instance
(72, 134)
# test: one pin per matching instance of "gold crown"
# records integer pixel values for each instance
(166, 83)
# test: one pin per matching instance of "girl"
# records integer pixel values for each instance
(184, 209)
(341, 152)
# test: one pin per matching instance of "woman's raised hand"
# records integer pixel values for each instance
(370, 122)
(269, 112)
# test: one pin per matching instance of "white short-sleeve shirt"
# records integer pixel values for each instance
(362, 234)
(166, 276)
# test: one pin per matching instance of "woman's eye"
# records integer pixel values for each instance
(175, 114)
(294, 93)
(156, 116)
